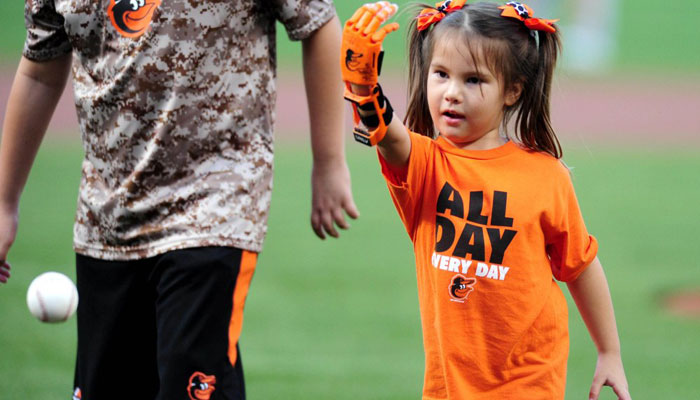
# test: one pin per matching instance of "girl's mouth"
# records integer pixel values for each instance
(452, 117)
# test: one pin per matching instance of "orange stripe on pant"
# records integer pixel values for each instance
(245, 275)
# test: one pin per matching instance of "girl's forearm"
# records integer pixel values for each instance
(592, 296)
(395, 147)
(35, 92)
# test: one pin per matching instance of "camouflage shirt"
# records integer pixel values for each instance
(175, 100)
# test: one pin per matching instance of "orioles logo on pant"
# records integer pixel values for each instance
(460, 287)
(201, 386)
(131, 18)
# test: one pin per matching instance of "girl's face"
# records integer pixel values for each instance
(466, 100)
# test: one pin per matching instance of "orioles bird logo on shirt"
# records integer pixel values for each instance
(460, 287)
(131, 18)
(201, 386)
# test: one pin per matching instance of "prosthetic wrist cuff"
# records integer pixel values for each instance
(375, 113)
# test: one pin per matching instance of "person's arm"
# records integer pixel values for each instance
(35, 92)
(592, 296)
(330, 176)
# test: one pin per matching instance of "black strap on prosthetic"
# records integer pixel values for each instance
(376, 115)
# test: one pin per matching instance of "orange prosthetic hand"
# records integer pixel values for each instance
(360, 62)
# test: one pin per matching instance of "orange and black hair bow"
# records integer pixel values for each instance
(523, 12)
(429, 16)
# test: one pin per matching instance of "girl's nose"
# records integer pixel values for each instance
(453, 94)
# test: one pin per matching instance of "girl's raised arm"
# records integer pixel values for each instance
(360, 61)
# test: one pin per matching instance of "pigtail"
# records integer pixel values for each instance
(417, 112)
(533, 117)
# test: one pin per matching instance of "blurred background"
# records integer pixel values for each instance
(338, 319)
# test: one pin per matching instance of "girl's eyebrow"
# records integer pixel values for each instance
(481, 71)
(470, 72)
(436, 64)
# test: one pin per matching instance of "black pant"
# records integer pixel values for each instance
(162, 328)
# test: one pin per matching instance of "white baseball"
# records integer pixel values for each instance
(52, 297)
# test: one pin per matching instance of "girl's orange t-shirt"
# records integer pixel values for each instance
(491, 230)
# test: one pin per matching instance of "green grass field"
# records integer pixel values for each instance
(339, 319)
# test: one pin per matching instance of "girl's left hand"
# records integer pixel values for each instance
(610, 372)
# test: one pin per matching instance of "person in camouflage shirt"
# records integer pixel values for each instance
(175, 101)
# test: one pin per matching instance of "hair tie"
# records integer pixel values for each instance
(524, 13)
(429, 16)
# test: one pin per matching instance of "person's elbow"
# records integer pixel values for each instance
(52, 73)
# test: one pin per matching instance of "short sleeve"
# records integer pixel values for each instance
(46, 37)
(569, 245)
(301, 18)
(406, 184)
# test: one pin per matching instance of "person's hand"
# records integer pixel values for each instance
(8, 231)
(360, 60)
(609, 372)
(331, 198)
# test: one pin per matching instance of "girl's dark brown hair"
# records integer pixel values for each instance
(510, 51)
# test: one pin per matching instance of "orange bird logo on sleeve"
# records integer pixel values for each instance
(131, 18)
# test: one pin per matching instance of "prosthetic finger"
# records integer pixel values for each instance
(364, 20)
(379, 18)
(381, 34)
(368, 13)
(355, 17)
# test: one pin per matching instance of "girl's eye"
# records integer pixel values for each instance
(473, 80)
(440, 74)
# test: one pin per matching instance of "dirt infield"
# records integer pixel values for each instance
(584, 111)
(684, 303)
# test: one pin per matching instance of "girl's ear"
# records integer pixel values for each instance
(513, 93)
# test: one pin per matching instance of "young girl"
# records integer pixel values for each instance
(493, 217)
